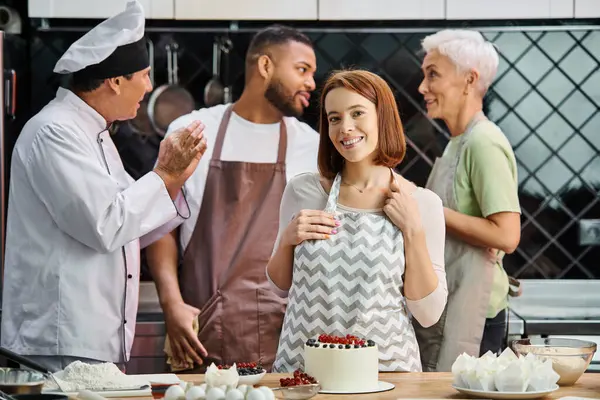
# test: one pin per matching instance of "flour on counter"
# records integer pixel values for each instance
(95, 377)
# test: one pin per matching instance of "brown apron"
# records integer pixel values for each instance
(224, 264)
(469, 272)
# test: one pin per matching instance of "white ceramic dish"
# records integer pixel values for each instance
(505, 395)
(251, 379)
(381, 387)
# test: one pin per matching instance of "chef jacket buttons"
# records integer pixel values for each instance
(129, 276)
(124, 321)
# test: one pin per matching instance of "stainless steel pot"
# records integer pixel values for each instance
(23, 381)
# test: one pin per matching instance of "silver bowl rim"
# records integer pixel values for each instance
(40, 378)
(585, 346)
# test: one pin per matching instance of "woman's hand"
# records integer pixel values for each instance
(310, 225)
(402, 209)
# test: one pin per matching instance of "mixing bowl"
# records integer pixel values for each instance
(570, 357)
(21, 381)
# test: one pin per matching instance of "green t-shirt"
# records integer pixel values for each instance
(486, 183)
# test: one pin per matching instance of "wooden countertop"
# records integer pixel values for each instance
(427, 385)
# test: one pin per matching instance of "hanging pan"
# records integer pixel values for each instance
(214, 91)
(171, 100)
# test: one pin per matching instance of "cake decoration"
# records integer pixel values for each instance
(343, 364)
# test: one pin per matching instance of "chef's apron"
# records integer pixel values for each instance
(469, 272)
(223, 271)
(351, 283)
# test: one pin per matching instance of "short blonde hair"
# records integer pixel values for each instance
(467, 49)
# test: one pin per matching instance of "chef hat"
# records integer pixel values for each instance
(113, 48)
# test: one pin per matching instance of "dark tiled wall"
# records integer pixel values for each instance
(546, 99)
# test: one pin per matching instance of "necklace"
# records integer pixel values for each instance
(349, 184)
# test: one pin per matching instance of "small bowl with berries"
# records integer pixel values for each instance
(250, 373)
(299, 387)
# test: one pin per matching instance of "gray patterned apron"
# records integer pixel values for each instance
(469, 272)
(351, 283)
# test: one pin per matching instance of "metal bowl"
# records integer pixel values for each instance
(21, 381)
(570, 357)
(300, 392)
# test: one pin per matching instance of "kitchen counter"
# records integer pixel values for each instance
(559, 307)
(147, 355)
(429, 385)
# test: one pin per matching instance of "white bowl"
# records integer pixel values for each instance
(251, 380)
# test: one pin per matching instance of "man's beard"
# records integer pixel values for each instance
(276, 95)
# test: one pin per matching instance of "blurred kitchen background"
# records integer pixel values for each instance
(546, 99)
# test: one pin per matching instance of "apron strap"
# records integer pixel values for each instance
(334, 193)
(221, 133)
(480, 116)
(281, 151)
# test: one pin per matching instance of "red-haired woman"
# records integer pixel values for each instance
(360, 249)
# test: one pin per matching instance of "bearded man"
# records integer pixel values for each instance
(219, 302)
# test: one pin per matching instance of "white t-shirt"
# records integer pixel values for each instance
(247, 142)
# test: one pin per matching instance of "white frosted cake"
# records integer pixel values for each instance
(342, 364)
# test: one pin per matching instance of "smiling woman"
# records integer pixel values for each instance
(476, 177)
(365, 247)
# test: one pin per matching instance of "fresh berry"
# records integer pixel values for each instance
(299, 378)
(340, 340)
(245, 368)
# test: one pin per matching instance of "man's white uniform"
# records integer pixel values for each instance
(75, 217)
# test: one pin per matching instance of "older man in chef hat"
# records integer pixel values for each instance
(75, 217)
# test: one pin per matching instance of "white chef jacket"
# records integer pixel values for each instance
(245, 141)
(71, 277)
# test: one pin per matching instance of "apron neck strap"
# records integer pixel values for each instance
(221, 133)
(281, 151)
(480, 116)
(334, 192)
(282, 142)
